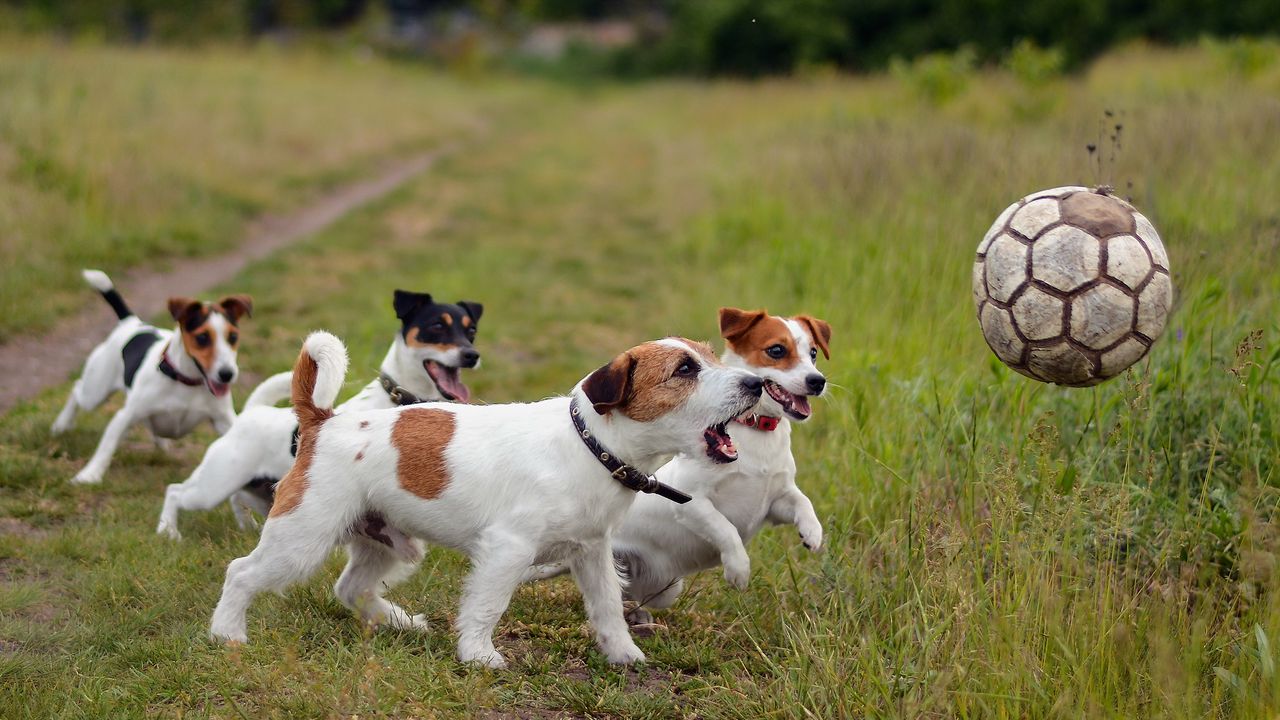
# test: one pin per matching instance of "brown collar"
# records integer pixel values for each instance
(172, 373)
(763, 423)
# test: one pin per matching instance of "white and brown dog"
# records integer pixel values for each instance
(174, 380)
(660, 542)
(243, 466)
(509, 485)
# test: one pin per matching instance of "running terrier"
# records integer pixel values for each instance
(174, 380)
(422, 365)
(660, 543)
(509, 485)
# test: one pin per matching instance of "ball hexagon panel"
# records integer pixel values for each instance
(997, 327)
(1115, 360)
(1006, 263)
(997, 227)
(1099, 215)
(1127, 261)
(1063, 364)
(1151, 239)
(1065, 257)
(1056, 192)
(1038, 314)
(1153, 306)
(1101, 316)
(1031, 219)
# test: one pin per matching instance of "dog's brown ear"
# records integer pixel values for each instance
(820, 331)
(606, 388)
(236, 306)
(188, 312)
(735, 323)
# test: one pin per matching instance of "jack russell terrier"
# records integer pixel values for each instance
(660, 543)
(174, 380)
(509, 485)
(422, 365)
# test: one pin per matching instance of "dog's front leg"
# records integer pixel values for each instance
(496, 570)
(701, 516)
(597, 578)
(794, 508)
(97, 465)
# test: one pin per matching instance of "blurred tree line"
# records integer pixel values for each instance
(704, 37)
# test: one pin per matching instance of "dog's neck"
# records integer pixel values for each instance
(408, 373)
(626, 444)
(179, 359)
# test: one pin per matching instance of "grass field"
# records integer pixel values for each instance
(997, 548)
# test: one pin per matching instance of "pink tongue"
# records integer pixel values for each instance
(800, 404)
(218, 389)
(447, 380)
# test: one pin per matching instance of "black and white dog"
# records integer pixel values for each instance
(175, 379)
(423, 364)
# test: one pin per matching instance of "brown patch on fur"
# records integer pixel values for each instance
(364, 424)
(750, 332)
(654, 390)
(447, 319)
(202, 355)
(412, 341)
(819, 330)
(293, 485)
(421, 436)
(466, 321)
(1098, 215)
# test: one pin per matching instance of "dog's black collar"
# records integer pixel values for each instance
(172, 373)
(398, 394)
(631, 478)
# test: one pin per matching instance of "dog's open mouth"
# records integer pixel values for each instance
(217, 388)
(797, 406)
(447, 381)
(720, 446)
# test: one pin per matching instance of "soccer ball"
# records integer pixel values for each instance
(1072, 286)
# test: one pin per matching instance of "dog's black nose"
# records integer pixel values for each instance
(225, 375)
(470, 356)
(753, 385)
(815, 383)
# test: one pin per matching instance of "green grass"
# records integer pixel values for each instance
(997, 548)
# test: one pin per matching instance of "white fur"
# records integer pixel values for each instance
(660, 542)
(169, 408)
(523, 489)
(257, 446)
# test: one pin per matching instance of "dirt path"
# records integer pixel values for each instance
(31, 363)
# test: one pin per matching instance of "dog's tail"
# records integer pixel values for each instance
(270, 391)
(99, 281)
(317, 378)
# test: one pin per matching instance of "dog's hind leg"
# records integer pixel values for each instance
(597, 576)
(292, 547)
(371, 570)
(68, 415)
(101, 460)
(497, 568)
(227, 466)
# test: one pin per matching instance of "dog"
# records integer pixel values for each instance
(509, 485)
(243, 466)
(173, 380)
(660, 543)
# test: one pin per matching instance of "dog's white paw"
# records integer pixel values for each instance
(87, 477)
(228, 636)
(165, 528)
(58, 427)
(811, 535)
(485, 657)
(625, 654)
(737, 571)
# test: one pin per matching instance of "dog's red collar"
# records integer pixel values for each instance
(172, 373)
(763, 423)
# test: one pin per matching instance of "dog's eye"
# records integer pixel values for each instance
(688, 368)
(777, 352)
(232, 337)
(436, 327)
(813, 353)
(203, 340)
